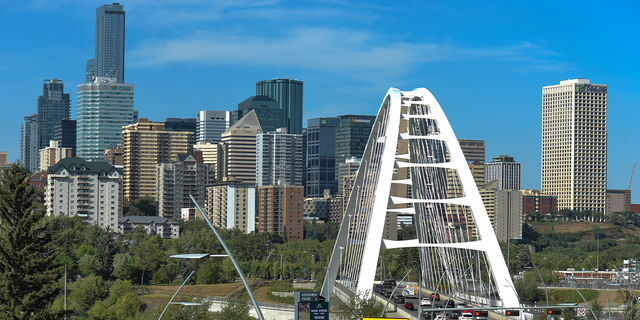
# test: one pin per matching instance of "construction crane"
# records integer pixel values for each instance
(630, 180)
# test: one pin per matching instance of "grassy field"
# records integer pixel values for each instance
(613, 231)
(200, 290)
(218, 290)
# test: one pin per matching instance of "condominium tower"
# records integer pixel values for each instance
(279, 159)
(109, 44)
(29, 142)
(288, 93)
(104, 107)
(574, 144)
(505, 170)
(146, 144)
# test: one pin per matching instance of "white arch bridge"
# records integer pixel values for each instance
(413, 165)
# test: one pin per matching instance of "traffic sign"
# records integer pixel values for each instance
(319, 311)
(582, 312)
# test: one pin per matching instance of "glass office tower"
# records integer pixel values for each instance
(321, 156)
(104, 107)
(53, 106)
(288, 93)
(109, 43)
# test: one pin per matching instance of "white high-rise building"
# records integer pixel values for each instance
(211, 124)
(574, 144)
(91, 190)
(104, 107)
(505, 171)
(279, 159)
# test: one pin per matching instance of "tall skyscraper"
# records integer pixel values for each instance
(279, 159)
(211, 124)
(505, 170)
(267, 110)
(574, 144)
(321, 156)
(351, 137)
(109, 44)
(29, 142)
(288, 93)
(145, 145)
(53, 105)
(104, 107)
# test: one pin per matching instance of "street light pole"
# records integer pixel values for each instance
(175, 294)
(233, 260)
(541, 279)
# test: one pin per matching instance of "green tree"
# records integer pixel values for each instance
(127, 306)
(359, 306)
(119, 289)
(85, 292)
(102, 311)
(597, 308)
(235, 309)
(527, 286)
(209, 273)
(28, 276)
(146, 257)
(88, 265)
(631, 312)
(123, 266)
(145, 206)
(167, 273)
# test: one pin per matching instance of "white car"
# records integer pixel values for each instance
(425, 302)
(442, 316)
(466, 316)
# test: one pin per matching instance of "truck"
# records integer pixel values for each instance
(410, 291)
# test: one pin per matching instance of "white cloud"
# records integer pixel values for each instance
(324, 49)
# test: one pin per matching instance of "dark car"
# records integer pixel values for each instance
(399, 298)
(455, 314)
(435, 296)
(389, 283)
(387, 294)
(449, 303)
(428, 315)
(408, 305)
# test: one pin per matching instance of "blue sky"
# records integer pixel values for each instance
(485, 62)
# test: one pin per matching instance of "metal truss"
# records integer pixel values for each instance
(413, 165)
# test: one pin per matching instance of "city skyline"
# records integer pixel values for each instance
(487, 64)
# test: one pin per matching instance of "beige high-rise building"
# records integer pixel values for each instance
(237, 155)
(574, 144)
(3, 158)
(232, 205)
(146, 144)
(50, 155)
(504, 208)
